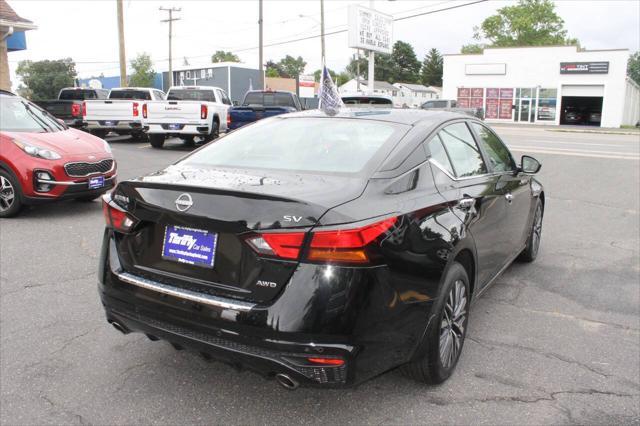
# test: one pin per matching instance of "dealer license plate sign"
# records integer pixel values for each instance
(174, 127)
(109, 123)
(191, 246)
(96, 182)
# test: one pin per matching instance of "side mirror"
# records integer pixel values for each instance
(530, 165)
(235, 103)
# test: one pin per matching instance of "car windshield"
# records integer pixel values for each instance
(77, 95)
(130, 94)
(325, 145)
(190, 95)
(19, 115)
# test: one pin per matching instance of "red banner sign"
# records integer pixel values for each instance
(476, 103)
(506, 93)
(463, 92)
(493, 93)
(463, 102)
(477, 93)
(505, 109)
(491, 111)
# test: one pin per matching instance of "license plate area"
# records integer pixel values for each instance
(96, 182)
(190, 246)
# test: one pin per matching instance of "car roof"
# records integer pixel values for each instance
(405, 116)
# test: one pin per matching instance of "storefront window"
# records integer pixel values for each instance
(525, 104)
(547, 99)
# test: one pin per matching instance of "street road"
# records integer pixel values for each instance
(556, 341)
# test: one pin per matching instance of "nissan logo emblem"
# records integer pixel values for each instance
(184, 202)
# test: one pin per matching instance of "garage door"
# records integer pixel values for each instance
(582, 90)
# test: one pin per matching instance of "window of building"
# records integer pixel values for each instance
(547, 104)
(203, 73)
(188, 74)
(210, 73)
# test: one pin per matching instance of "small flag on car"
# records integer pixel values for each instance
(329, 99)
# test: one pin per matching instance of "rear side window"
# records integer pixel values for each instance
(269, 99)
(302, 144)
(439, 154)
(498, 154)
(143, 95)
(463, 151)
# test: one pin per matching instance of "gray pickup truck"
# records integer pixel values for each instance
(452, 105)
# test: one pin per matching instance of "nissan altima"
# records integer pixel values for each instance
(322, 250)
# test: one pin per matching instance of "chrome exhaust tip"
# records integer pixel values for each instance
(121, 328)
(287, 382)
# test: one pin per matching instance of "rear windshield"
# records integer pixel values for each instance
(191, 95)
(77, 95)
(329, 145)
(130, 94)
(269, 99)
(365, 100)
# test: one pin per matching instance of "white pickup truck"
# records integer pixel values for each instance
(188, 112)
(121, 112)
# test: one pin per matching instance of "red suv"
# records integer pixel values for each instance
(41, 159)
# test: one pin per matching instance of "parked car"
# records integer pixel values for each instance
(42, 159)
(452, 106)
(188, 112)
(121, 112)
(595, 116)
(368, 100)
(322, 250)
(68, 106)
(259, 104)
(572, 115)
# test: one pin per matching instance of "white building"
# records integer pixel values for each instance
(381, 87)
(546, 85)
(414, 95)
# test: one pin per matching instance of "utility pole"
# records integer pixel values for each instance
(123, 58)
(260, 58)
(170, 21)
(322, 30)
(371, 63)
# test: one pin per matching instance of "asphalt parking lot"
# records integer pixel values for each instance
(556, 341)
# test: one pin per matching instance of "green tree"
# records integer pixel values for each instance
(43, 79)
(272, 72)
(471, 48)
(222, 56)
(291, 67)
(143, 74)
(338, 78)
(404, 64)
(384, 70)
(529, 23)
(432, 69)
(633, 67)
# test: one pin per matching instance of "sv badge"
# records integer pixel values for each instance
(288, 218)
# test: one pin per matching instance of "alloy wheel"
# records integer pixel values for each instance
(7, 194)
(452, 324)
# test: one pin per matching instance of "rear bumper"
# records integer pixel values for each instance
(197, 129)
(356, 318)
(120, 126)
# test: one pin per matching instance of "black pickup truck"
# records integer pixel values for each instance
(259, 104)
(68, 106)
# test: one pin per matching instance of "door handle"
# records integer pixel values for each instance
(509, 197)
(466, 203)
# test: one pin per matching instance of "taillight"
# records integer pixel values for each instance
(203, 111)
(334, 362)
(346, 245)
(283, 245)
(228, 120)
(336, 246)
(84, 109)
(115, 217)
(135, 109)
(144, 110)
(76, 110)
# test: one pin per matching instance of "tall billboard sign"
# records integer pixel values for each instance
(370, 29)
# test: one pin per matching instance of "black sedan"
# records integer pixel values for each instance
(322, 250)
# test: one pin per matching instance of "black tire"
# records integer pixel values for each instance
(431, 368)
(156, 141)
(188, 140)
(530, 251)
(99, 133)
(10, 195)
(215, 132)
(139, 137)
